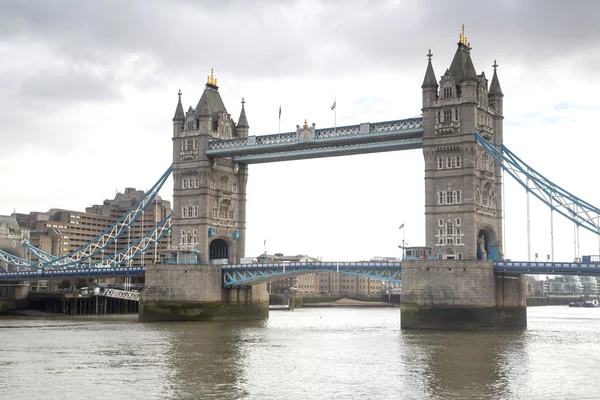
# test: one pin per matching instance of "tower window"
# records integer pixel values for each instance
(447, 92)
(447, 115)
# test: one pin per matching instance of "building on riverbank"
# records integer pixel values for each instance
(60, 232)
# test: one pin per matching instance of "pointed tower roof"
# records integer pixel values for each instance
(203, 109)
(469, 72)
(179, 115)
(459, 61)
(495, 85)
(212, 97)
(430, 81)
(243, 121)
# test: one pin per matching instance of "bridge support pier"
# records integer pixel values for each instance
(13, 296)
(194, 292)
(461, 295)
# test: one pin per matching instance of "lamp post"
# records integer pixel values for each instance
(403, 240)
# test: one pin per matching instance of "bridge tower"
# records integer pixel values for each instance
(463, 208)
(209, 195)
(209, 223)
(463, 185)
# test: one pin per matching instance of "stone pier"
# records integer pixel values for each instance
(458, 294)
(194, 292)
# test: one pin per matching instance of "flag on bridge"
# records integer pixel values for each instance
(401, 226)
(333, 106)
(280, 111)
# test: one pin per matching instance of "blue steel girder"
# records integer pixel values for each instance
(252, 274)
(47, 273)
(547, 268)
(361, 138)
(555, 197)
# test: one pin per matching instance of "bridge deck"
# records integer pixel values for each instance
(313, 143)
(244, 274)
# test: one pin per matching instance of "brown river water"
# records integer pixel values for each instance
(329, 353)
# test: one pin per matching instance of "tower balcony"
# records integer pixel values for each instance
(447, 128)
(187, 155)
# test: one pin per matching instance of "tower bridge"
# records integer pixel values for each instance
(465, 282)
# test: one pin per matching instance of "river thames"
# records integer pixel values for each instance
(311, 353)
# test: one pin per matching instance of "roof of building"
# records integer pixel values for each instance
(179, 115)
(243, 121)
(9, 223)
(430, 79)
(213, 99)
(495, 85)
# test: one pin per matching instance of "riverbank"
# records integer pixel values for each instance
(349, 303)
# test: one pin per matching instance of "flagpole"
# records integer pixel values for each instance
(280, 118)
(335, 113)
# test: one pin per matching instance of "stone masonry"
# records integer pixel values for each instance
(463, 185)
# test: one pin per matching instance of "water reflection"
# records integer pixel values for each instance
(206, 358)
(463, 364)
(305, 354)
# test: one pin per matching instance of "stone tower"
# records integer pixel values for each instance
(463, 185)
(209, 195)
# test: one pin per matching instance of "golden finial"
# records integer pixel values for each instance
(463, 38)
(211, 79)
(305, 124)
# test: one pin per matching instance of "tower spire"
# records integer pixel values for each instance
(462, 38)
(243, 121)
(430, 81)
(179, 115)
(211, 80)
(495, 85)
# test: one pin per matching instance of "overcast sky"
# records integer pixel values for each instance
(88, 91)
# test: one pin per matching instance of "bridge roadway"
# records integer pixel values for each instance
(251, 274)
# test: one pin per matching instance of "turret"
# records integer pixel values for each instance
(242, 127)
(179, 118)
(468, 83)
(430, 85)
(495, 93)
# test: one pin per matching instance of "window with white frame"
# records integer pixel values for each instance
(184, 183)
(447, 92)
(449, 197)
(449, 233)
(447, 115)
(449, 162)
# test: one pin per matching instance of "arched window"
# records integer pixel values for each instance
(184, 183)
(224, 183)
(447, 92)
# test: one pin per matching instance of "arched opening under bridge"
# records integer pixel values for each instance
(219, 249)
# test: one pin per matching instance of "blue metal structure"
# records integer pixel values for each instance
(558, 199)
(252, 274)
(66, 273)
